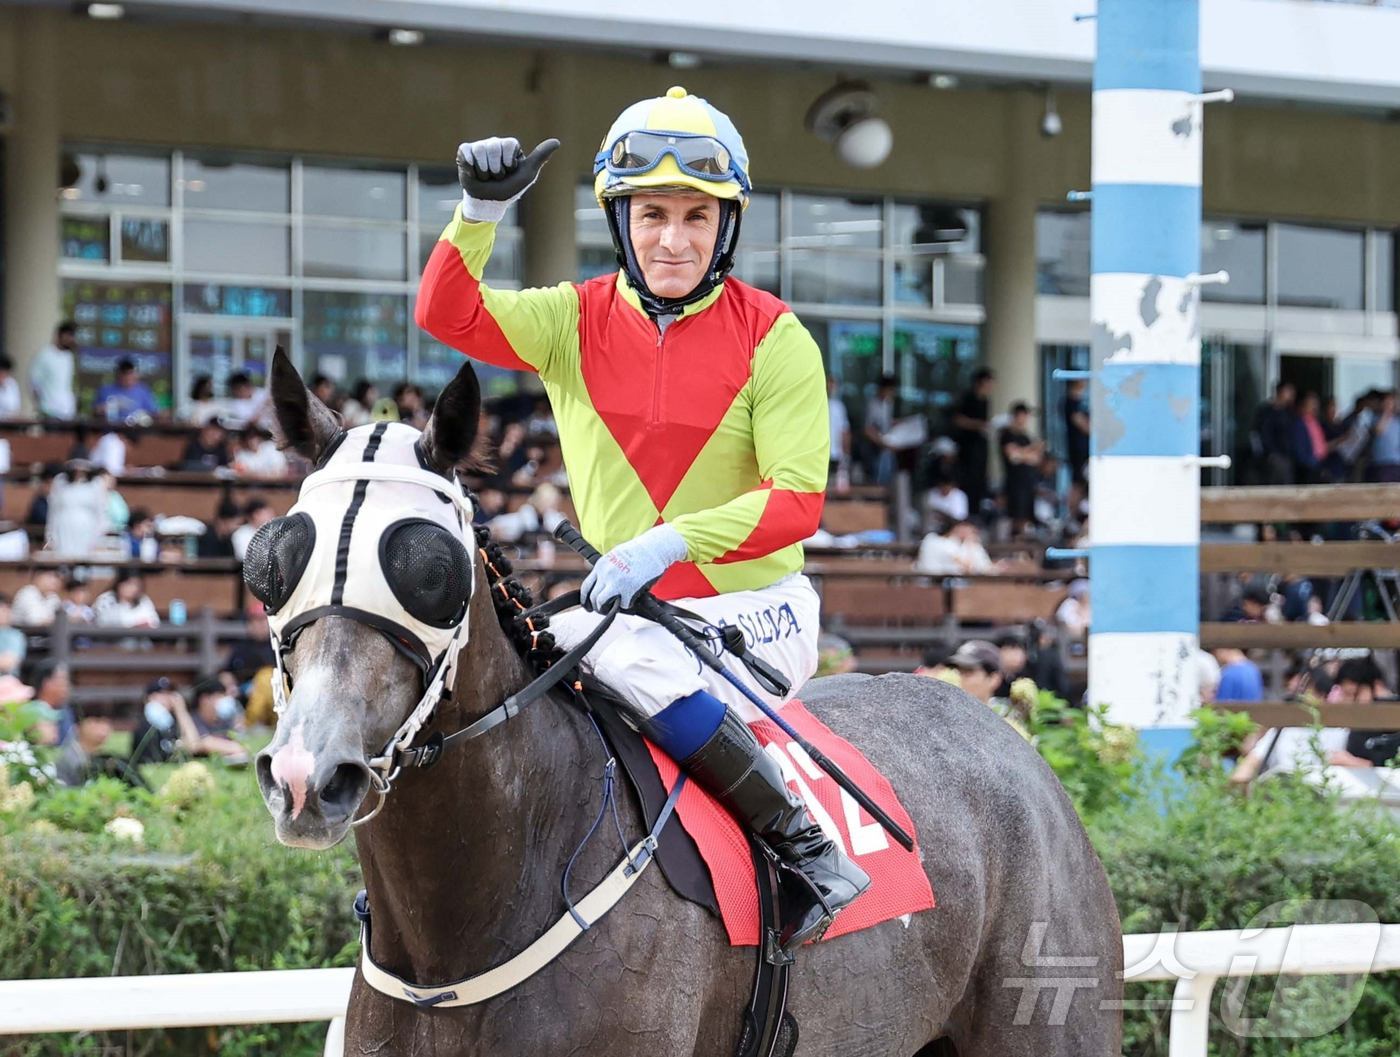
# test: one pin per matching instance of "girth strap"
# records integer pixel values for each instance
(586, 913)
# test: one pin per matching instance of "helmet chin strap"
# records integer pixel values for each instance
(619, 215)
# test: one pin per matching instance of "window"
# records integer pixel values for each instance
(366, 194)
(1062, 254)
(117, 321)
(221, 182)
(339, 251)
(116, 180)
(322, 256)
(882, 285)
(1385, 271)
(237, 247)
(1240, 250)
(350, 336)
(1320, 267)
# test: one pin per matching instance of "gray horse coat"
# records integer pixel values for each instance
(1022, 956)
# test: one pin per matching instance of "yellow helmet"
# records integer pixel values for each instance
(676, 140)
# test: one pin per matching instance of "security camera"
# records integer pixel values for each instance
(1050, 123)
(847, 118)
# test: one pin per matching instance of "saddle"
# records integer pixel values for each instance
(768, 1029)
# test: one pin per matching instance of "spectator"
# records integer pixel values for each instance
(1046, 667)
(109, 453)
(250, 657)
(11, 400)
(1021, 457)
(1385, 445)
(13, 643)
(126, 605)
(971, 419)
(218, 541)
(1015, 659)
(259, 457)
(245, 403)
(203, 404)
(879, 420)
(1207, 676)
(141, 539)
(840, 466)
(979, 664)
(946, 501)
(1076, 408)
(1309, 441)
(207, 450)
(835, 655)
(256, 514)
(77, 602)
(1359, 682)
(1253, 606)
(408, 398)
(37, 516)
(51, 375)
(156, 737)
(75, 753)
(541, 421)
(206, 728)
(1074, 613)
(125, 398)
(78, 511)
(53, 687)
(958, 553)
(1295, 749)
(118, 513)
(38, 602)
(1351, 447)
(934, 663)
(1271, 437)
(1240, 678)
(359, 407)
(323, 388)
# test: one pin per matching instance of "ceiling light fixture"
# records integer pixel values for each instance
(106, 12)
(942, 81)
(405, 38)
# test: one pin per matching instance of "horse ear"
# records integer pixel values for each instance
(451, 432)
(304, 424)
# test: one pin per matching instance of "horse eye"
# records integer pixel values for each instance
(277, 557)
(428, 570)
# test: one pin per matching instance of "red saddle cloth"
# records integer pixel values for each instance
(899, 885)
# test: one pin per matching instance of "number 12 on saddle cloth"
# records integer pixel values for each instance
(899, 885)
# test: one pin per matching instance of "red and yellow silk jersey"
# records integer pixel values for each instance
(717, 426)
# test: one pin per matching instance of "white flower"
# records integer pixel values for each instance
(124, 828)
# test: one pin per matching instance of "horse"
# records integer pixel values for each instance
(462, 862)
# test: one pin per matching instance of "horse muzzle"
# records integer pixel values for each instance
(312, 795)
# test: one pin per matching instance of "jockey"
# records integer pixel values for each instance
(692, 416)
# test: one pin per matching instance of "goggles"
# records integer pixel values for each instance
(700, 156)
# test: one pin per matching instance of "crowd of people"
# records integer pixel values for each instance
(1303, 439)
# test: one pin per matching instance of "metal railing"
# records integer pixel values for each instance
(1195, 960)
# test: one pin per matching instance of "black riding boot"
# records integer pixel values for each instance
(749, 783)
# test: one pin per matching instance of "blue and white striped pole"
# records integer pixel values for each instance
(1144, 306)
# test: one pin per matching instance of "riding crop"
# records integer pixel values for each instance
(648, 605)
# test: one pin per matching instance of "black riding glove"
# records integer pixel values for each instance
(495, 172)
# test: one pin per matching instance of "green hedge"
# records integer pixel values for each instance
(209, 889)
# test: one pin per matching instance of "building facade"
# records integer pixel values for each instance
(194, 191)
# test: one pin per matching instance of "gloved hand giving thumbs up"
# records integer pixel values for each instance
(494, 172)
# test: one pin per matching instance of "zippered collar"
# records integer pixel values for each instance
(630, 296)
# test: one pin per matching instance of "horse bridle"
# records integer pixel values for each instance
(402, 749)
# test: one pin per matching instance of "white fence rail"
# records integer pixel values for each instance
(1196, 960)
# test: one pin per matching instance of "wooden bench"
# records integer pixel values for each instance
(214, 584)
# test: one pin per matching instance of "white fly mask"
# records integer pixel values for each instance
(377, 537)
